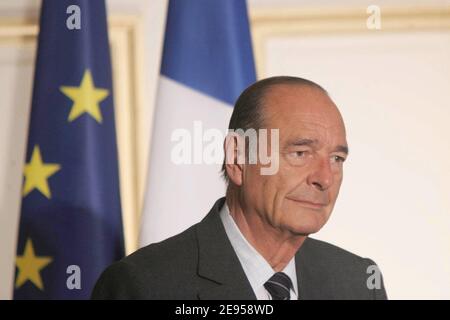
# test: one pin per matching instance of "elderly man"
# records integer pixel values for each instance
(254, 243)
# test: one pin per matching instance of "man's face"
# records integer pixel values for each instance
(299, 198)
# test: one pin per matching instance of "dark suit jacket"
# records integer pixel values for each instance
(200, 263)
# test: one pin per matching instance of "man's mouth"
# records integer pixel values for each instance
(309, 204)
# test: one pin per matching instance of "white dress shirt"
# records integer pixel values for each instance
(256, 268)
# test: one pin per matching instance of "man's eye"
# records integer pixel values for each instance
(338, 159)
(300, 153)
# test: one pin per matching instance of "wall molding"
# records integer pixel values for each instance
(268, 23)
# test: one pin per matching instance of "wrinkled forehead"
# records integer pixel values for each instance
(303, 112)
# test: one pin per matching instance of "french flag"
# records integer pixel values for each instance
(207, 62)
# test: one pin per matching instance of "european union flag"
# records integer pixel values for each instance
(70, 224)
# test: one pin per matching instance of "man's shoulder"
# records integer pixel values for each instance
(326, 253)
(167, 264)
(343, 274)
(167, 251)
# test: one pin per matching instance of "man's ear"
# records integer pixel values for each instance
(234, 160)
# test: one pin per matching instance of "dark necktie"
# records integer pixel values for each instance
(279, 286)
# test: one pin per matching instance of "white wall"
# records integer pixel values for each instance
(343, 3)
(16, 83)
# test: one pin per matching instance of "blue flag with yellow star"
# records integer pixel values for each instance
(70, 223)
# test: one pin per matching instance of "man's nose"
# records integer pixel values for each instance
(321, 177)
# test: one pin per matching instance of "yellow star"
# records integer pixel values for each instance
(29, 266)
(85, 98)
(36, 174)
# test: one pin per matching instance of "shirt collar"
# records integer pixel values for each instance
(256, 268)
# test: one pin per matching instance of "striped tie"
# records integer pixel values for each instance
(279, 286)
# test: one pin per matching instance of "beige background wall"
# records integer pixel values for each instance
(392, 86)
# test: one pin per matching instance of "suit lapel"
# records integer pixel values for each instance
(218, 262)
